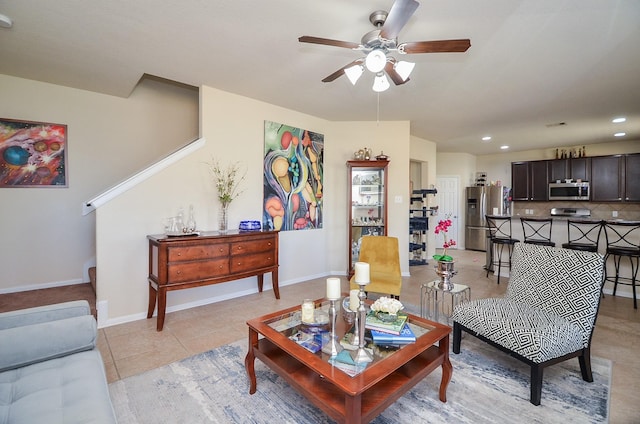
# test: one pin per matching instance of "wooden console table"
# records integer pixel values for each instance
(177, 263)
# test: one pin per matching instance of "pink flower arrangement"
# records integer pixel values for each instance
(443, 227)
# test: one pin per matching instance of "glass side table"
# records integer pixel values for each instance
(437, 304)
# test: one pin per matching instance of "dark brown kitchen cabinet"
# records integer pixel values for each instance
(580, 169)
(530, 180)
(559, 170)
(607, 178)
(575, 169)
(632, 178)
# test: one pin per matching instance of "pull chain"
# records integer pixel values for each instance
(378, 111)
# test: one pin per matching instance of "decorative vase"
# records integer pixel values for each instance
(445, 270)
(223, 219)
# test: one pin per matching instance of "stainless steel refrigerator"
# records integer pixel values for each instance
(481, 201)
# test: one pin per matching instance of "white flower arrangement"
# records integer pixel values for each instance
(227, 181)
(388, 305)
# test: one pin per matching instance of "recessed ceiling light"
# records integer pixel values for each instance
(504, 147)
(618, 120)
(486, 138)
(620, 134)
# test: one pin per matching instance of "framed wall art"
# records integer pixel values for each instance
(32, 154)
(293, 183)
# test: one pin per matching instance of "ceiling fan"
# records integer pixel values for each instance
(378, 43)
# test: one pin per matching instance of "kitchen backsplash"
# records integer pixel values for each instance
(626, 211)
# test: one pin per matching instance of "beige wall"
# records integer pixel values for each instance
(46, 241)
(234, 129)
(424, 152)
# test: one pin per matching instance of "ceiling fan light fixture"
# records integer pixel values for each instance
(380, 83)
(375, 61)
(354, 73)
(404, 69)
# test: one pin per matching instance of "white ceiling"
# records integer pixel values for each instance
(531, 63)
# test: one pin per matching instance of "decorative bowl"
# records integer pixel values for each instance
(386, 316)
(320, 318)
(249, 225)
(347, 314)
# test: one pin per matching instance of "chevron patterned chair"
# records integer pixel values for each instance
(547, 315)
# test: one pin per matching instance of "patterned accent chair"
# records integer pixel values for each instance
(547, 315)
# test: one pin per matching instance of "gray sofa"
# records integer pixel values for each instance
(50, 369)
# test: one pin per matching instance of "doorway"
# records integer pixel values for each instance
(448, 207)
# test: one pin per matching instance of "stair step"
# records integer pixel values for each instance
(92, 278)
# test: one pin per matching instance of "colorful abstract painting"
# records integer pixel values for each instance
(32, 154)
(293, 167)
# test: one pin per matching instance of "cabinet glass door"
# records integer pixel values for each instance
(368, 204)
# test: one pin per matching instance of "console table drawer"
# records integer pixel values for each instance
(250, 262)
(190, 253)
(254, 246)
(198, 270)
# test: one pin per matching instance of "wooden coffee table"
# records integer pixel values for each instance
(347, 399)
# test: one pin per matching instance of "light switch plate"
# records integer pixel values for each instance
(398, 199)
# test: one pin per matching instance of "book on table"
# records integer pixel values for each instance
(372, 322)
(406, 336)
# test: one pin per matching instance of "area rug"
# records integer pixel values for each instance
(487, 387)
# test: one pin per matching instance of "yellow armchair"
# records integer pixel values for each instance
(383, 257)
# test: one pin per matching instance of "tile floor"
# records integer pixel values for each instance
(136, 347)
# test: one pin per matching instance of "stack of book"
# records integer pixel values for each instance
(393, 333)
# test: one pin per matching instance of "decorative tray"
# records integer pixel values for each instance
(181, 234)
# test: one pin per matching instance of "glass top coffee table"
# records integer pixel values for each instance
(345, 398)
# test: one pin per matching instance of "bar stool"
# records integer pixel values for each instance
(537, 231)
(623, 240)
(583, 234)
(499, 236)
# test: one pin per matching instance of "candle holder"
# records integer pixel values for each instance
(361, 355)
(333, 347)
(355, 336)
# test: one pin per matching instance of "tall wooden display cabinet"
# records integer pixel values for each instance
(367, 197)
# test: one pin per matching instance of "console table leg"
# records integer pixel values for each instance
(152, 300)
(260, 282)
(162, 307)
(249, 361)
(274, 278)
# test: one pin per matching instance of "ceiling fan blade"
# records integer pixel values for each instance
(393, 74)
(440, 46)
(398, 17)
(340, 71)
(328, 42)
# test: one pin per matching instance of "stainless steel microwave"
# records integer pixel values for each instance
(569, 191)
